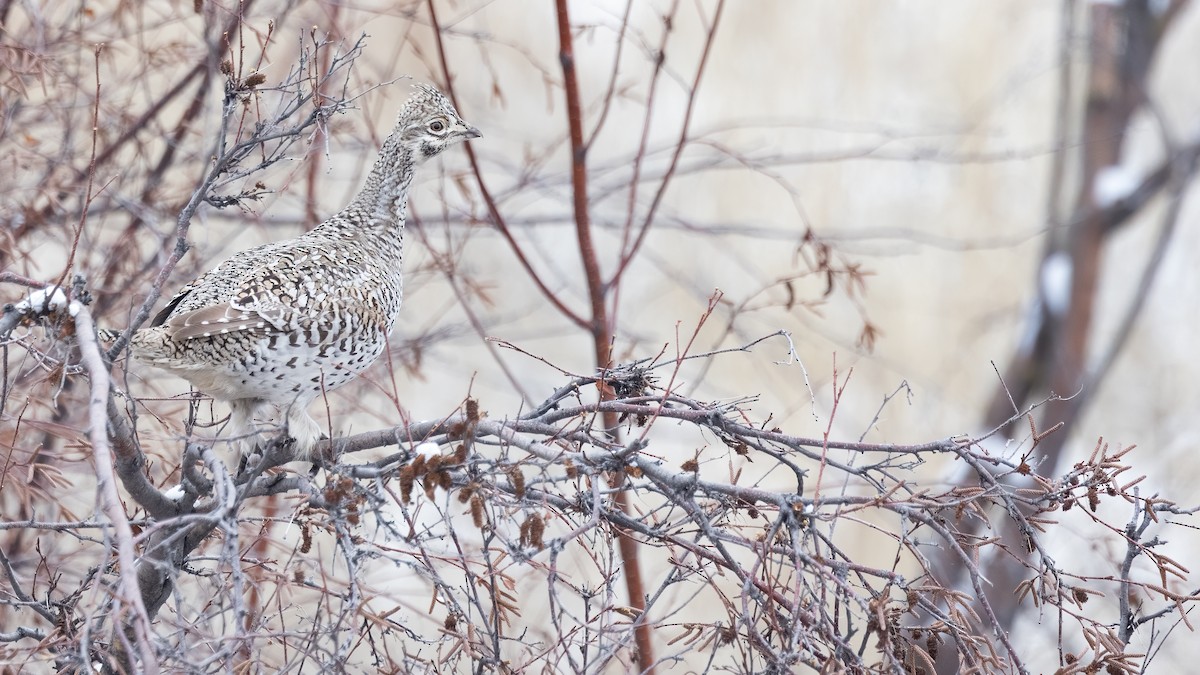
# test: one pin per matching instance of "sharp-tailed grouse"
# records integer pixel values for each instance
(279, 323)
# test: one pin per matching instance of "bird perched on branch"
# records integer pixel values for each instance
(280, 323)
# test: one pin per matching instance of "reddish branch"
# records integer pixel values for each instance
(496, 217)
(601, 332)
(600, 327)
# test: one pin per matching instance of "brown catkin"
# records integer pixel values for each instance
(432, 464)
(466, 492)
(406, 483)
(518, 481)
(537, 528)
(477, 511)
(523, 533)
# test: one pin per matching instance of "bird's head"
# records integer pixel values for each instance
(428, 123)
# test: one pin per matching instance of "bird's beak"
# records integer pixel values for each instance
(471, 132)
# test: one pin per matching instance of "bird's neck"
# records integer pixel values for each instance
(381, 206)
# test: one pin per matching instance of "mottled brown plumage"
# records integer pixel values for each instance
(279, 323)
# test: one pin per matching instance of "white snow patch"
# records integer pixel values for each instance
(175, 494)
(1055, 278)
(428, 448)
(51, 297)
(1112, 184)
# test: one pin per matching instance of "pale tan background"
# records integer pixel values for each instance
(949, 109)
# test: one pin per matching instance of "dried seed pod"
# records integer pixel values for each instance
(407, 474)
(477, 511)
(305, 538)
(572, 472)
(627, 612)
(537, 529)
(460, 454)
(432, 464)
(691, 466)
(518, 480)
(417, 465)
(523, 533)
(466, 493)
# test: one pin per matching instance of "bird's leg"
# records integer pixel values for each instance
(304, 431)
(242, 431)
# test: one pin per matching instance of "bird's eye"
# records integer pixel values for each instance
(437, 126)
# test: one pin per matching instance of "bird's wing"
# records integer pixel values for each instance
(224, 318)
(261, 298)
(165, 313)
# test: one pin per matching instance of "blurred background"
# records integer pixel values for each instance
(956, 211)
